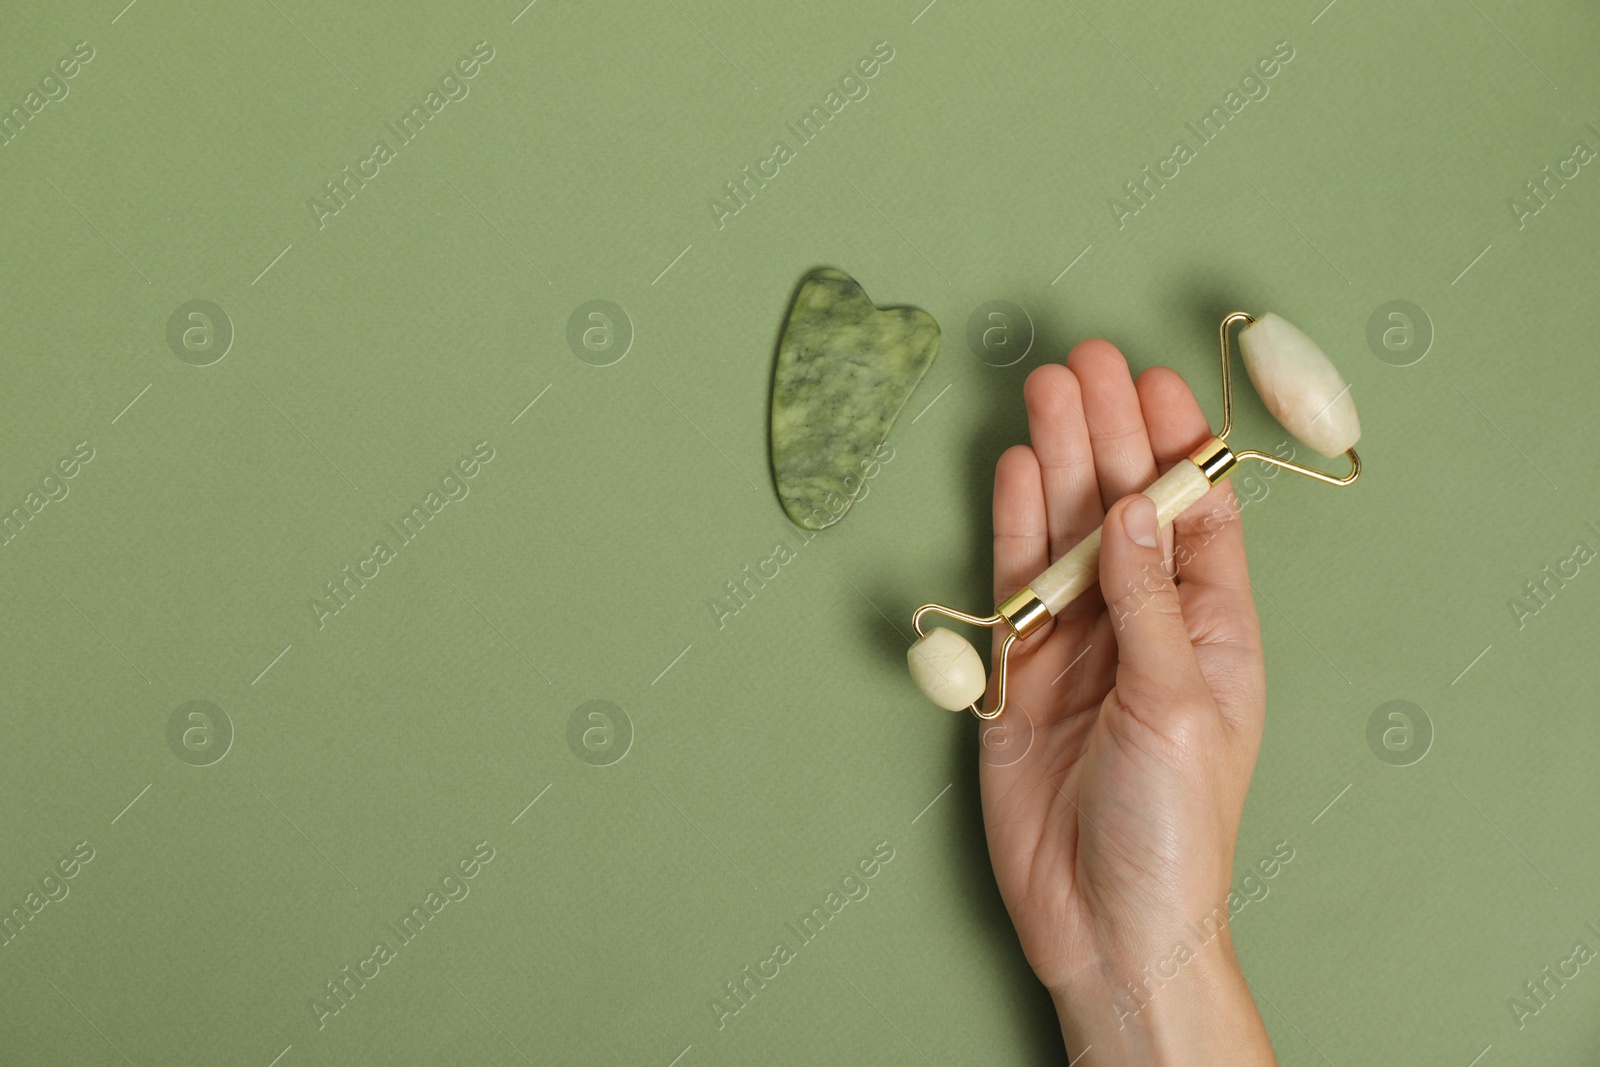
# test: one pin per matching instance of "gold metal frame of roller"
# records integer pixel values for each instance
(1023, 613)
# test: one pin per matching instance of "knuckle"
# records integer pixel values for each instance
(1175, 724)
(1118, 434)
(1148, 593)
(1214, 514)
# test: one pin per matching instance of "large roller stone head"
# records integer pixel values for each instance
(1300, 386)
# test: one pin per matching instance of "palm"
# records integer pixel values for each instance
(1092, 820)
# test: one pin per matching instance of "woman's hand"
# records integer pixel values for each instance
(1112, 838)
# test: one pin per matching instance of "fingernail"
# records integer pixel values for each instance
(1139, 521)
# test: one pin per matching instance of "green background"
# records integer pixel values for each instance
(770, 754)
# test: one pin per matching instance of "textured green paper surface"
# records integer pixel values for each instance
(563, 236)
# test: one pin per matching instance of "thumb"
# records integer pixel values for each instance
(1156, 661)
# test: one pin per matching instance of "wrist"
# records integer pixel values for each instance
(1189, 1006)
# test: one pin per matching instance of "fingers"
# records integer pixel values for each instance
(1209, 546)
(1172, 415)
(1066, 461)
(1156, 667)
(1021, 531)
(1122, 459)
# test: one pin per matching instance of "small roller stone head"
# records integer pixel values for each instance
(1300, 385)
(947, 669)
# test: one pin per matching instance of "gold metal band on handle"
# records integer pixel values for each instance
(1215, 459)
(1024, 612)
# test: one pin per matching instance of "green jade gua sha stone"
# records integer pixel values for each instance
(845, 370)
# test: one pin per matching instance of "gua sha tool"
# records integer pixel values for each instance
(845, 369)
(1304, 392)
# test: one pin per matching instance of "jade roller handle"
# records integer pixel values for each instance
(1068, 577)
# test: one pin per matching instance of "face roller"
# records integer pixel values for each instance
(1304, 392)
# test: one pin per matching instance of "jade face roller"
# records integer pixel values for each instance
(1304, 392)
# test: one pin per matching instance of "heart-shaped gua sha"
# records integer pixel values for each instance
(845, 370)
